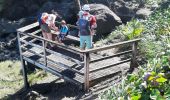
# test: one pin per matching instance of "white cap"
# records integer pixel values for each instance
(86, 7)
(80, 14)
(44, 14)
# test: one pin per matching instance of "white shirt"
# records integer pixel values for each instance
(51, 19)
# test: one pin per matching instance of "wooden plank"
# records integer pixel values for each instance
(118, 54)
(54, 60)
(39, 48)
(69, 48)
(48, 58)
(110, 46)
(108, 66)
(73, 38)
(65, 66)
(48, 69)
(33, 33)
(23, 29)
(109, 71)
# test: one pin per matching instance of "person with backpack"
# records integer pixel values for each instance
(84, 14)
(63, 31)
(85, 30)
(47, 23)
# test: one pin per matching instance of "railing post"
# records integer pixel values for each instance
(44, 51)
(26, 84)
(134, 53)
(86, 73)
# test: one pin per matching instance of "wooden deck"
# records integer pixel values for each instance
(55, 62)
(65, 61)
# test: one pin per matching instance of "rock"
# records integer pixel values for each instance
(7, 26)
(106, 19)
(65, 9)
(143, 13)
(21, 8)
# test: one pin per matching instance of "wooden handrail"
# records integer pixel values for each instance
(109, 46)
(69, 48)
(23, 29)
(33, 25)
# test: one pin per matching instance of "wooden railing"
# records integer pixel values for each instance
(22, 34)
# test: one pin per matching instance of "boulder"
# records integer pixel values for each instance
(106, 19)
(143, 13)
(65, 9)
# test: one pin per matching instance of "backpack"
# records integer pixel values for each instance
(40, 20)
(84, 26)
(64, 28)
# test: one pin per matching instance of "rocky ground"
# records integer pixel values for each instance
(8, 48)
(53, 88)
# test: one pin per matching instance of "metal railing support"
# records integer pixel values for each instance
(86, 73)
(26, 84)
(44, 51)
(134, 53)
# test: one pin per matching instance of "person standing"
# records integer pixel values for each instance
(84, 14)
(85, 31)
(47, 23)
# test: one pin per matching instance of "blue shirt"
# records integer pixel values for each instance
(64, 29)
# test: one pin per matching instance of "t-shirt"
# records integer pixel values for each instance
(64, 29)
(51, 19)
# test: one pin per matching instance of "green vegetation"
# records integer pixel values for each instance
(152, 80)
(11, 79)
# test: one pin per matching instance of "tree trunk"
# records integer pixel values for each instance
(78, 6)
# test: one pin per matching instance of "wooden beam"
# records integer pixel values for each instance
(28, 27)
(86, 71)
(55, 62)
(110, 46)
(69, 48)
(134, 53)
(52, 52)
(48, 69)
(121, 62)
(65, 66)
(104, 58)
(33, 33)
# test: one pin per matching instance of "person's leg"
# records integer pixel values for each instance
(89, 42)
(49, 35)
(82, 42)
(45, 36)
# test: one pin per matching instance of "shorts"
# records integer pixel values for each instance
(45, 28)
(87, 40)
(62, 36)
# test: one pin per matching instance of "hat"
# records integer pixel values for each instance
(86, 7)
(63, 22)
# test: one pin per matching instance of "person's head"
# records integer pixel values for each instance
(80, 14)
(44, 14)
(63, 22)
(86, 8)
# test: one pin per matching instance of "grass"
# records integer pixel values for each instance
(11, 79)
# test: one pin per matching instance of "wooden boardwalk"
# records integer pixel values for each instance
(65, 61)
